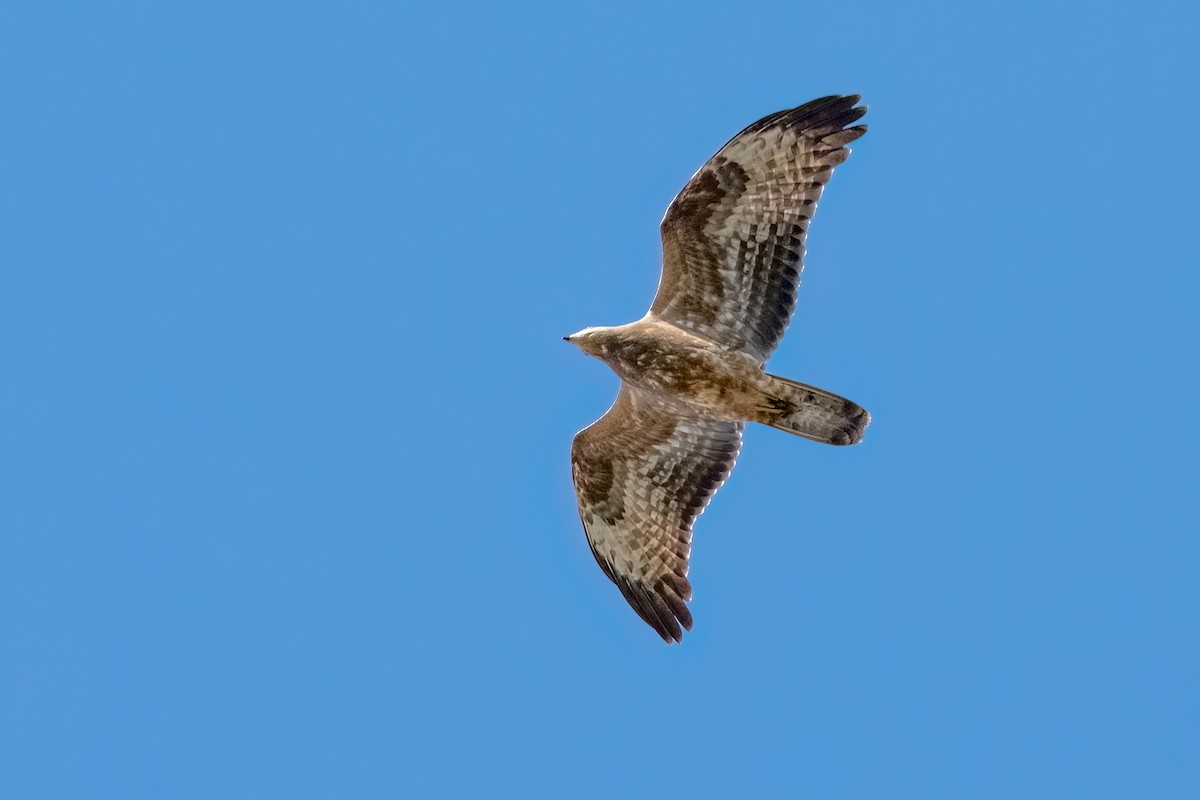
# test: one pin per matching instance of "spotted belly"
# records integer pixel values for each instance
(708, 382)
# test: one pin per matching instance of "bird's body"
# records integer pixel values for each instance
(680, 371)
(692, 369)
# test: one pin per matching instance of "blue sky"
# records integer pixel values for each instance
(285, 506)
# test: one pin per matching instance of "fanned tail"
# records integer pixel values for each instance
(812, 413)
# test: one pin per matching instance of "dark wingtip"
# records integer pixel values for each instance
(830, 112)
(661, 610)
(833, 111)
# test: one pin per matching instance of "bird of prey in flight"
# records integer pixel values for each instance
(692, 369)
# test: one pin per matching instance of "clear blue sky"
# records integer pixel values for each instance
(285, 506)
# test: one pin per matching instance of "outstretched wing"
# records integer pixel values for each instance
(643, 474)
(733, 238)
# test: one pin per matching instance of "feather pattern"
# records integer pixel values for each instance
(643, 472)
(733, 238)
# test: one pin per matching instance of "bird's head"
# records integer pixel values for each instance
(593, 341)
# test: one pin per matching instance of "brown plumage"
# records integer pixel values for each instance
(691, 369)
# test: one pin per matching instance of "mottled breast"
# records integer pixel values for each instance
(683, 367)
